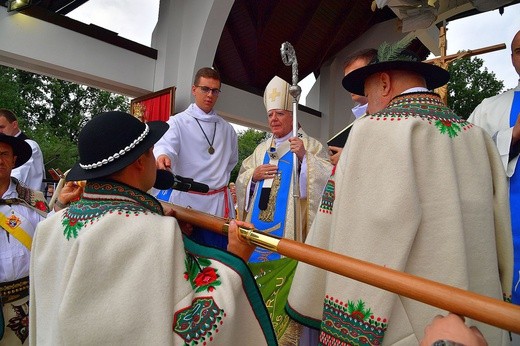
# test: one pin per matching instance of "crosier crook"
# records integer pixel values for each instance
(289, 58)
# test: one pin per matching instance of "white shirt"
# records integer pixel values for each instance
(32, 172)
(187, 147)
(15, 257)
(493, 114)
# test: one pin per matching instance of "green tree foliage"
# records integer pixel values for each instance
(58, 152)
(247, 142)
(469, 84)
(52, 111)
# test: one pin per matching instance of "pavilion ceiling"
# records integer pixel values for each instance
(248, 52)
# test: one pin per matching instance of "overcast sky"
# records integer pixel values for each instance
(132, 19)
(136, 19)
(488, 29)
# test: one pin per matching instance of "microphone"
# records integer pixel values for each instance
(166, 180)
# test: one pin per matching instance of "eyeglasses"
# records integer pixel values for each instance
(207, 90)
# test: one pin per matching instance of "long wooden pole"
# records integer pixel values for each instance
(478, 307)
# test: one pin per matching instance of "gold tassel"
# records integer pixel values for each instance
(267, 215)
(292, 334)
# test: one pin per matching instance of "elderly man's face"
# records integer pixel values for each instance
(7, 161)
(280, 122)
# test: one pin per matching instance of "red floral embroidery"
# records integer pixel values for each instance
(200, 274)
(206, 277)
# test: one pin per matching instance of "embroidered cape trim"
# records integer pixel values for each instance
(19, 320)
(427, 106)
(35, 199)
(101, 197)
(208, 316)
(211, 280)
(329, 195)
(352, 323)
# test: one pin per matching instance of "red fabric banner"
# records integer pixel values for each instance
(155, 106)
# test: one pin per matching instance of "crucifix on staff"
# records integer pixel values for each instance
(444, 60)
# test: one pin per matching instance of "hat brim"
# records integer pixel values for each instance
(434, 76)
(21, 149)
(157, 130)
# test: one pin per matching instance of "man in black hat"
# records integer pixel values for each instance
(417, 189)
(20, 211)
(112, 269)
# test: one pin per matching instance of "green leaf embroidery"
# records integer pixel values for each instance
(71, 227)
(448, 127)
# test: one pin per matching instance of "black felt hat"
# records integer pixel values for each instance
(395, 57)
(21, 149)
(111, 141)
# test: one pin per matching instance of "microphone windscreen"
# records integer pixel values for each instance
(164, 180)
(193, 185)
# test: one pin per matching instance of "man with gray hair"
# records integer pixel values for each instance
(417, 189)
(265, 194)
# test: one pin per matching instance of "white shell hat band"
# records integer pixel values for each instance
(118, 154)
